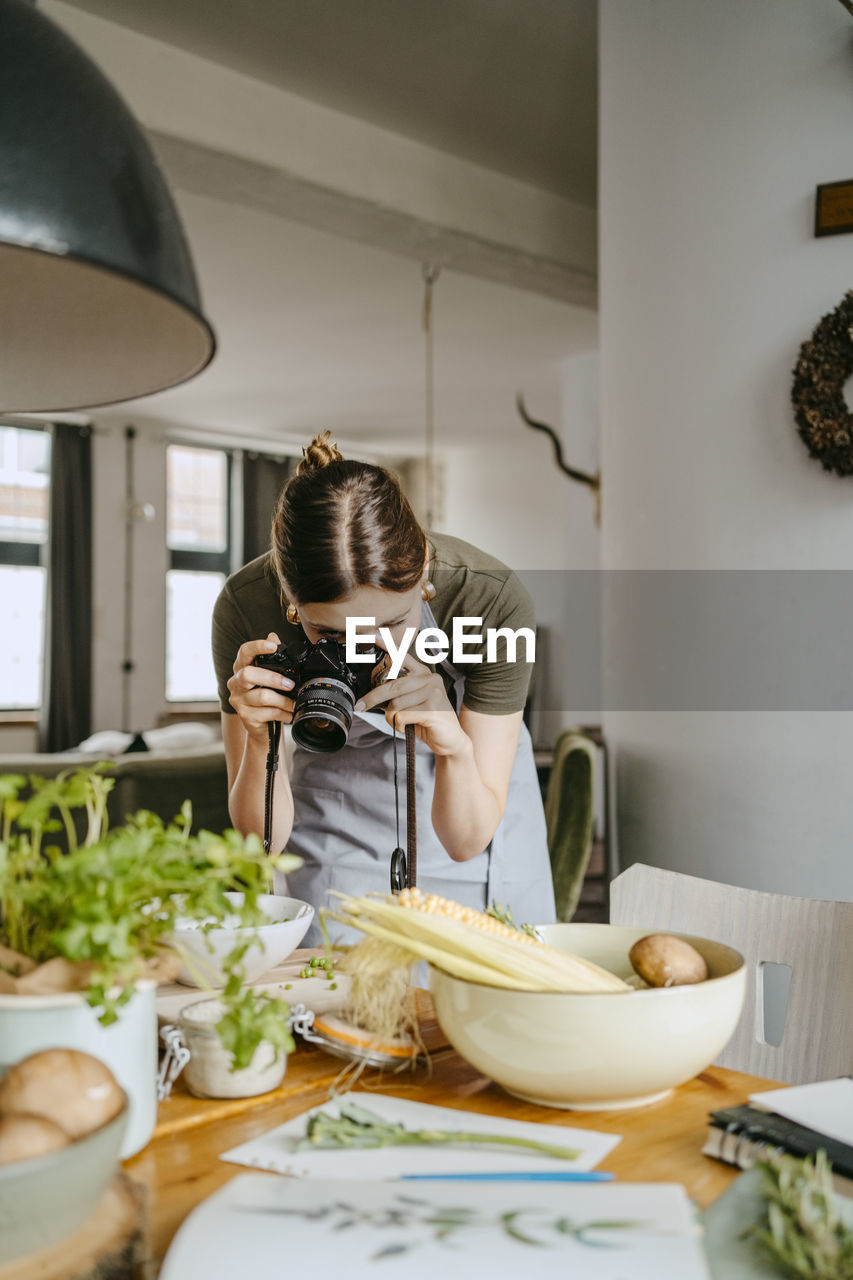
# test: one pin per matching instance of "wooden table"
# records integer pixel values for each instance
(660, 1143)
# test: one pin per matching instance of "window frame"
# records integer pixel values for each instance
(27, 554)
(33, 554)
(200, 561)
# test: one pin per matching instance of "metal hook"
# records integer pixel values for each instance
(398, 870)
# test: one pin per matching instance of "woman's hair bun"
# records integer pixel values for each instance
(341, 524)
(319, 453)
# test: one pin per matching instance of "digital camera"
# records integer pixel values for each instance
(325, 690)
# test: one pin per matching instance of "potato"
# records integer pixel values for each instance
(23, 1137)
(75, 1090)
(662, 960)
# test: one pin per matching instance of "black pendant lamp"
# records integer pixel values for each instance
(98, 296)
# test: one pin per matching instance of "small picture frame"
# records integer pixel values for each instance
(834, 208)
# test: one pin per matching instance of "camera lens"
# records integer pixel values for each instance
(322, 714)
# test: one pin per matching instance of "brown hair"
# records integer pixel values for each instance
(340, 525)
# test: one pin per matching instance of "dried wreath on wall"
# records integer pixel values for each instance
(823, 367)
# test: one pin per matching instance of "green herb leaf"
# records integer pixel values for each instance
(252, 1018)
(503, 914)
(113, 898)
(801, 1227)
(357, 1127)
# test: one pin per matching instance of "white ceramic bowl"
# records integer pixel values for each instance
(594, 1052)
(203, 949)
(45, 1199)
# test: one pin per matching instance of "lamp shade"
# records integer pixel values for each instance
(98, 296)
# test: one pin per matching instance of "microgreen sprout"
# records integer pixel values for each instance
(108, 901)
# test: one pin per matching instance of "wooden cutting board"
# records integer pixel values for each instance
(110, 1245)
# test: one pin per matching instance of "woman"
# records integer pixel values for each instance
(345, 543)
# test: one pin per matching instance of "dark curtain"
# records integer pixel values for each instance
(263, 480)
(67, 686)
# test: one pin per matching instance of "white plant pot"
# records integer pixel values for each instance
(129, 1047)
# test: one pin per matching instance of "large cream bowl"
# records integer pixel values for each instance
(592, 1052)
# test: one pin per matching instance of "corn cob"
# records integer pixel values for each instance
(471, 945)
(432, 904)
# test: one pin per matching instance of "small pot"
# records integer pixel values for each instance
(208, 1073)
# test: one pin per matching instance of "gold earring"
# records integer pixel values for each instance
(293, 615)
(427, 590)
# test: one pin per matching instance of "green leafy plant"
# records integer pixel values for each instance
(503, 914)
(250, 1018)
(356, 1126)
(109, 900)
(414, 1221)
(801, 1227)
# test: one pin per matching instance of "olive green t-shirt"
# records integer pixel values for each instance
(468, 582)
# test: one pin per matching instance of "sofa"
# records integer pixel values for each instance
(160, 780)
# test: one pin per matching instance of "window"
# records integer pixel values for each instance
(198, 535)
(24, 509)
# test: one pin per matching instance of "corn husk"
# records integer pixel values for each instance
(458, 944)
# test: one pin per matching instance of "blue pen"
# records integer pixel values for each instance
(595, 1175)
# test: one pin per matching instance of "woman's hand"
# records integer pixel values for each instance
(417, 696)
(257, 694)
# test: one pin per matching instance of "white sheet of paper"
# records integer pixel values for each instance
(826, 1106)
(267, 1228)
(276, 1151)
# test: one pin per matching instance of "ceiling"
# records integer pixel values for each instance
(318, 331)
(509, 84)
(328, 334)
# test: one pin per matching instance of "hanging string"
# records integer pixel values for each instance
(430, 274)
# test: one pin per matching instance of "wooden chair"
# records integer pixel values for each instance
(812, 938)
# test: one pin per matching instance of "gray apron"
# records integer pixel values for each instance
(344, 827)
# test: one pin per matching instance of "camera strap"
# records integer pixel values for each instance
(274, 736)
(404, 866)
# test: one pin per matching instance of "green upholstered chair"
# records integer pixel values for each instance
(570, 816)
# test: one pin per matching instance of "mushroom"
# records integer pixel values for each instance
(663, 960)
(73, 1089)
(23, 1137)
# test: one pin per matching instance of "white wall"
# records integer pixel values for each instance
(17, 739)
(717, 122)
(511, 499)
(145, 700)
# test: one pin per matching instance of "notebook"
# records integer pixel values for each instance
(826, 1105)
